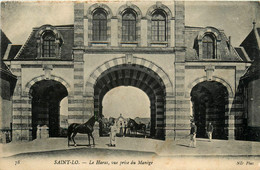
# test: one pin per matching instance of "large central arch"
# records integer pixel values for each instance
(136, 76)
(139, 73)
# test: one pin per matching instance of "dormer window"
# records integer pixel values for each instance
(158, 26)
(49, 42)
(48, 46)
(208, 47)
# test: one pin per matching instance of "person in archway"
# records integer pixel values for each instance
(193, 132)
(113, 130)
(125, 126)
(121, 129)
(210, 131)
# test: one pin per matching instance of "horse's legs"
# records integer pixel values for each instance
(74, 134)
(92, 138)
(144, 132)
(68, 141)
(89, 139)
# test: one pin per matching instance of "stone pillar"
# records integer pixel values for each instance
(17, 103)
(143, 33)
(182, 107)
(44, 132)
(170, 118)
(114, 32)
(75, 107)
(78, 24)
(231, 127)
(38, 133)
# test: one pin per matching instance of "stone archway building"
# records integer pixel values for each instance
(127, 43)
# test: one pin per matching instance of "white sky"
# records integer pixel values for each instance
(131, 102)
(18, 18)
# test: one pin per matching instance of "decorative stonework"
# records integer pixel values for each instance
(122, 60)
(59, 40)
(216, 39)
(89, 16)
(202, 79)
(209, 72)
(138, 13)
(168, 14)
(42, 77)
(47, 68)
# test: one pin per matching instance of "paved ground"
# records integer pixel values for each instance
(235, 153)
(159, 147)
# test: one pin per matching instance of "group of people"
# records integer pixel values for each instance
(193, 132)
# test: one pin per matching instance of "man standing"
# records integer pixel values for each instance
(209, 131)
(113, 130)
(193, 132)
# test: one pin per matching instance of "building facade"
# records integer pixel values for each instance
(8, 81)
(249, 85)
(185, 71)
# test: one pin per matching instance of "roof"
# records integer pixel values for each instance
(29, 49)
(242, 53)
(11, 51)
(4, 43)
(225, 51)
(252, 47)
(251, 43)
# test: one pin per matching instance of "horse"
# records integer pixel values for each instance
(133, 126)
(85, 128)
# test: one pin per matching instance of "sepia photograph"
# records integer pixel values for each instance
(130, 84)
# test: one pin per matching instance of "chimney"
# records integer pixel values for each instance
(254, 24)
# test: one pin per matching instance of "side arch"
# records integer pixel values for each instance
(214, 78)
(42, 77)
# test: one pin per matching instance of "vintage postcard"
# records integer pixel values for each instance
(118, 84)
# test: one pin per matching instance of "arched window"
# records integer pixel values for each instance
(158, 26)
(99, 25)
(48, 46)
(208, 47)
(129, 26)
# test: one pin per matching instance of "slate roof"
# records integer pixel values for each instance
(252, 46)
(13, 51)
(241, 52)
(5, 73)
(29, 50)
(4, 43)
(225, 50)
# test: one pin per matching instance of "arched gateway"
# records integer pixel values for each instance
(146, 78)
(118, 45)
